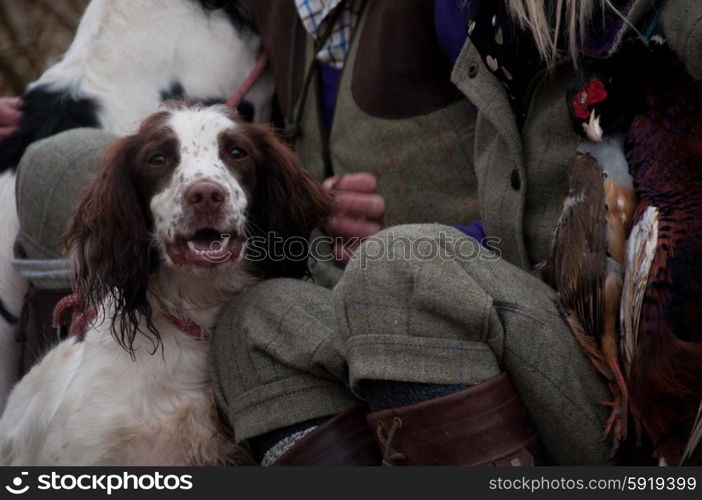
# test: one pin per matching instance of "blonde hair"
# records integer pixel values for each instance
(552, 20)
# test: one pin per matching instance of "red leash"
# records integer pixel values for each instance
(244, 88)
(79, 320)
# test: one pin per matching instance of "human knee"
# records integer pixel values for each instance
(399, 250)
(51, 177)
(278, 328)
(250, 315)
(41, 157)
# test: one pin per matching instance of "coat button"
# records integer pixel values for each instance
(473, 71)
(515, 180)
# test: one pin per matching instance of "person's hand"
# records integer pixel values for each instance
(9, 115)
(359, 212)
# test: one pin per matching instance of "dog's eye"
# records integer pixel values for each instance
(157, 159)
(238, 153)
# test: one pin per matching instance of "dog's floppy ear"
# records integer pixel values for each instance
(108, 240)
(287, 204)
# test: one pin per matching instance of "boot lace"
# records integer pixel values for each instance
(390, 455)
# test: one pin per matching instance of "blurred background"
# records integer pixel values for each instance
(33, 35)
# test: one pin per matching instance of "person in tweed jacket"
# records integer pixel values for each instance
(430, 349)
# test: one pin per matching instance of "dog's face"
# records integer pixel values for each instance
(196, 172)
(185, 192)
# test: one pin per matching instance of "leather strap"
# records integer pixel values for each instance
(7, 315)
(486, 424)
(345, 440)
(293, 121)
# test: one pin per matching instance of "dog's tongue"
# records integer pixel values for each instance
(207, 247)
(205, 239)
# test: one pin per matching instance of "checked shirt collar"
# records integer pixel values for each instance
(314, 15)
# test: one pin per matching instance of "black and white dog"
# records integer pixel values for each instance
(126, 58)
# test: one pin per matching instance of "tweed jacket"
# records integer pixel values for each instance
(522, 174)
(397, 114)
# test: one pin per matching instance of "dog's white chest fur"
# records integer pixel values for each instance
(89, 403)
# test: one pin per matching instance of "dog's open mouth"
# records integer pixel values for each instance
(205, 247)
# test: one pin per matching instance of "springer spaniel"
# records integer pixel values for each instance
(126, 58)
(159, 242)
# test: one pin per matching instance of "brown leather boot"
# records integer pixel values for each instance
(341, 441)
(485, 424)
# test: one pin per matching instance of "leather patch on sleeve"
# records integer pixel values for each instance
(400, 70)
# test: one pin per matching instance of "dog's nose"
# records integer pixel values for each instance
(205, 196)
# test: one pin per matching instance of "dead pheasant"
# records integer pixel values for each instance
(587, 257)
(661, 308)
(588, 279)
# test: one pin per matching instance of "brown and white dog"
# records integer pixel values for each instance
(159, 243)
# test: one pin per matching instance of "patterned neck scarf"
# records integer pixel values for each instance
(315, 16)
